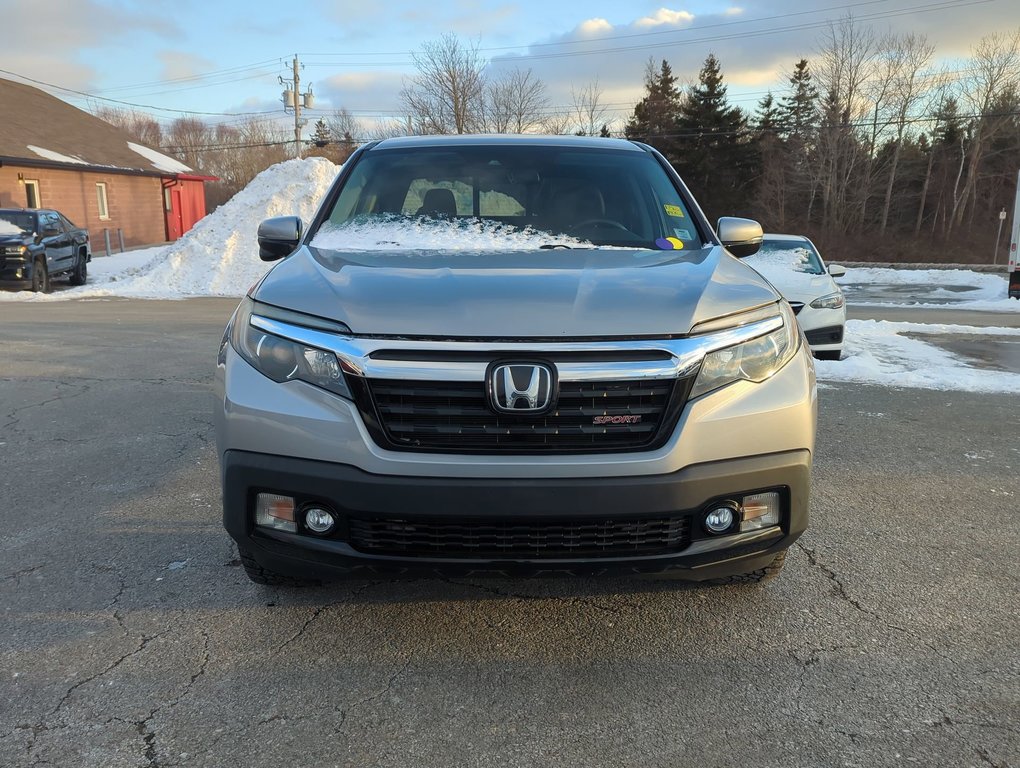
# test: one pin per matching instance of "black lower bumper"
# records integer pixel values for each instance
(361, 496)
(832, 334)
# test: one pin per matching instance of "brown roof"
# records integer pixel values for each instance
(65, 136)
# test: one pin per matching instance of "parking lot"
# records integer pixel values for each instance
(131, 637)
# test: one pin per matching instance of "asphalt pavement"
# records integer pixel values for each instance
(130, 636)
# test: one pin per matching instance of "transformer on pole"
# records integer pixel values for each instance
(293, 99)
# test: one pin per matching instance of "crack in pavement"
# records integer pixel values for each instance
(14, 419)
(345, 712)
(319, 610)
(16, 576)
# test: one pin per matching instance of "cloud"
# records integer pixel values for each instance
(664, 16)
(71, 27)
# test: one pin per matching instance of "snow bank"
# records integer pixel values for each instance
(219, 256)
(877, 352)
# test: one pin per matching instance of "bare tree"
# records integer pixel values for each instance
(448, 93)
(557, 123)
(516, 102)
(908, 55)
(144, 128)
(995, 68)
(589, 110)
(845, 55)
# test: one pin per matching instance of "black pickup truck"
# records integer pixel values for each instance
(37, 245)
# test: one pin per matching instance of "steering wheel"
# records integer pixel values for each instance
(612, 223)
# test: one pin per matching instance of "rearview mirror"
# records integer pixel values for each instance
(278, 237)
(741, 237)
(837, 271)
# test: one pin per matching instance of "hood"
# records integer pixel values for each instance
(12, 239)
(799, 286)
(561, 293)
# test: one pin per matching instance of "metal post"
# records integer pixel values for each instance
(1002, 218)
(297, 109)
(120, 235)
(106, 236)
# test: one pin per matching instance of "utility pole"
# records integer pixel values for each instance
(297, 109)
(294, 99)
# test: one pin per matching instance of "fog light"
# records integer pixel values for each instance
(319, 521)
(719, 519)
(759, 511)
(275, 511)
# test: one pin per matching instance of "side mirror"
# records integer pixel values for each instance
(836, 271)
(741, 237)
(278, 237)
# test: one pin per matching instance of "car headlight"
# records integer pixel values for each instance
(15, 250)
(755, 360)
(283, 360)
(829, 301)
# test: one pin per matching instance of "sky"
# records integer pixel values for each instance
(223, 59)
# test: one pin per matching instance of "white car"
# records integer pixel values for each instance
(794, 266)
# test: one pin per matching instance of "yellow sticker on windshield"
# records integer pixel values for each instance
(674, 210)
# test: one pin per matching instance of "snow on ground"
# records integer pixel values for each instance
(878, 352)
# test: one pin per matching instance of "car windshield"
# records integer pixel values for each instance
(795, 255)
(16, 223)
(490, 197)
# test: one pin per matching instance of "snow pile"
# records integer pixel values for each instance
(402, 233)
(220, 256)
(878, 352)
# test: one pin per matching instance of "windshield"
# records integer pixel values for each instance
(509, 196)
(796, 255)
(16, 223)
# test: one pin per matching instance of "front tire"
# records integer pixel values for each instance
(80, 273)
(40, 277)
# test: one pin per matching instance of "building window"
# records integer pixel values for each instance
(104, 209)
(32, 194)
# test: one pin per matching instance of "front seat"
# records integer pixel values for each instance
(438, 202)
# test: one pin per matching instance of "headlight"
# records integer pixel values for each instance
(282, 360)
(754, 360)
(829, 301)
(15, 250)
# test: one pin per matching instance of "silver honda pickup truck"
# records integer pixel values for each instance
(521, 356)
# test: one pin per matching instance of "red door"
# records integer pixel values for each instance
(176, 214)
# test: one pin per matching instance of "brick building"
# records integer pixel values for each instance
(54, 155)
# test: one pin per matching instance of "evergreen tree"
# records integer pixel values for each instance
(715, 153)
(655, 117)
(799, 108)
(322, 135)
(768, 119)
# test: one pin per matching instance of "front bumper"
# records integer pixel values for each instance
(353, 493)
(823, 327)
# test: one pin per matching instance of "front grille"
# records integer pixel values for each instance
(495, 539)
(456, 416)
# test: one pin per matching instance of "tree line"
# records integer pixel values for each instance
(870, 148)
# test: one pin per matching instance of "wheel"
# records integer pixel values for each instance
(767, 573)
(80, 273)
(40, 277)
(269, 578)
(829, 354)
